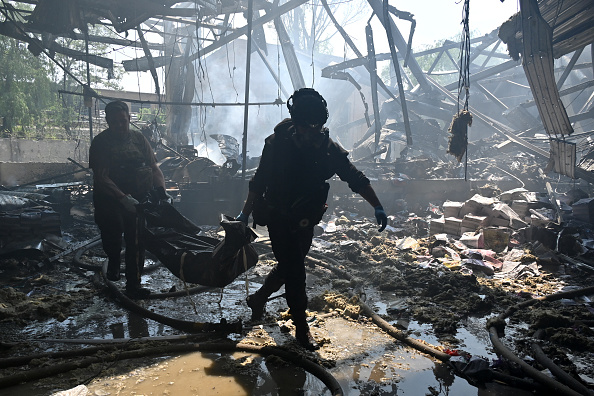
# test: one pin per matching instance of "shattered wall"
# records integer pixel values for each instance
(50, 151)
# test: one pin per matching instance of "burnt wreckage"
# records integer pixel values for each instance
(477, 147)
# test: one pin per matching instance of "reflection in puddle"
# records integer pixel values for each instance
(188, 374)
(211, 374)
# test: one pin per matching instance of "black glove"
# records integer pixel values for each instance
(381, 217)
(242, 217)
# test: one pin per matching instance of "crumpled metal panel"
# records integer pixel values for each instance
(563, 157)
(537, 61)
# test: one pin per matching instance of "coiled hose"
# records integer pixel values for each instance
(433, 351)
(496, 326)
(308, 365)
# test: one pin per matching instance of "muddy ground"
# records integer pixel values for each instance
(50, 307)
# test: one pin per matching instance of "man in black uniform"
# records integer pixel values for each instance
(288, 194)
(124, 171)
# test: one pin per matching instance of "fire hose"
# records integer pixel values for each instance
(496, 327)
(546, 381)
(308, 365)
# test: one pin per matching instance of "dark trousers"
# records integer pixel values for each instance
(113, 221)
(290, 246)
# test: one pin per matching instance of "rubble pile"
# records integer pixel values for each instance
(441, 267)
(488, 259)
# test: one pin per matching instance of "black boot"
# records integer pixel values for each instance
(302, 333)
(257, 303)
(113, 270)
(135, 292)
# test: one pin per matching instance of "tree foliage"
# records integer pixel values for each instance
(78, 68)
(30, 103)
(26, 84)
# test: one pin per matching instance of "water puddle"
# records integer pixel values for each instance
(364, 360)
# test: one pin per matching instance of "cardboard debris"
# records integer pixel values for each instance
(476, 205)
(520, 206)
(501, 210)
(453, 226)
(452, 208)
(496, 239)
(511, 195)
(541, 217)
(480, 265)
(474, 240)
(473, 223)
(437, 226)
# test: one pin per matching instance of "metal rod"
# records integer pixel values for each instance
(246, 110)
(388, 28)
(569, 67)
(77, 164)
(277, 102)
(373, 77)
(89, 84)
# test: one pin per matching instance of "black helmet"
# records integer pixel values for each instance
(307, 107)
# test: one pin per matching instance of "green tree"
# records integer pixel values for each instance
(78, 68)
(72, 72)
(26, 85)
(30, 100)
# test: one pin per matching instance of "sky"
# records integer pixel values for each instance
(435, 20)
(439, 19)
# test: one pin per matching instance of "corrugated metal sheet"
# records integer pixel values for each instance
(563, 155)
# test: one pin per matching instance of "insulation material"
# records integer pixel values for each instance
(459, 134)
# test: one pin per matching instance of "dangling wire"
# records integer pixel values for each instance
(458, 142)
(278, 73)
(464, 78)
(313, 41)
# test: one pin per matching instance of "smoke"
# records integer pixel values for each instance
(211, 151)
(222, 80)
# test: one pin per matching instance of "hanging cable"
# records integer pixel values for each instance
(464, 77)
(313, 41)
(458, 142)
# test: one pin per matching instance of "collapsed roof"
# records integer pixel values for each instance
(543, 31)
